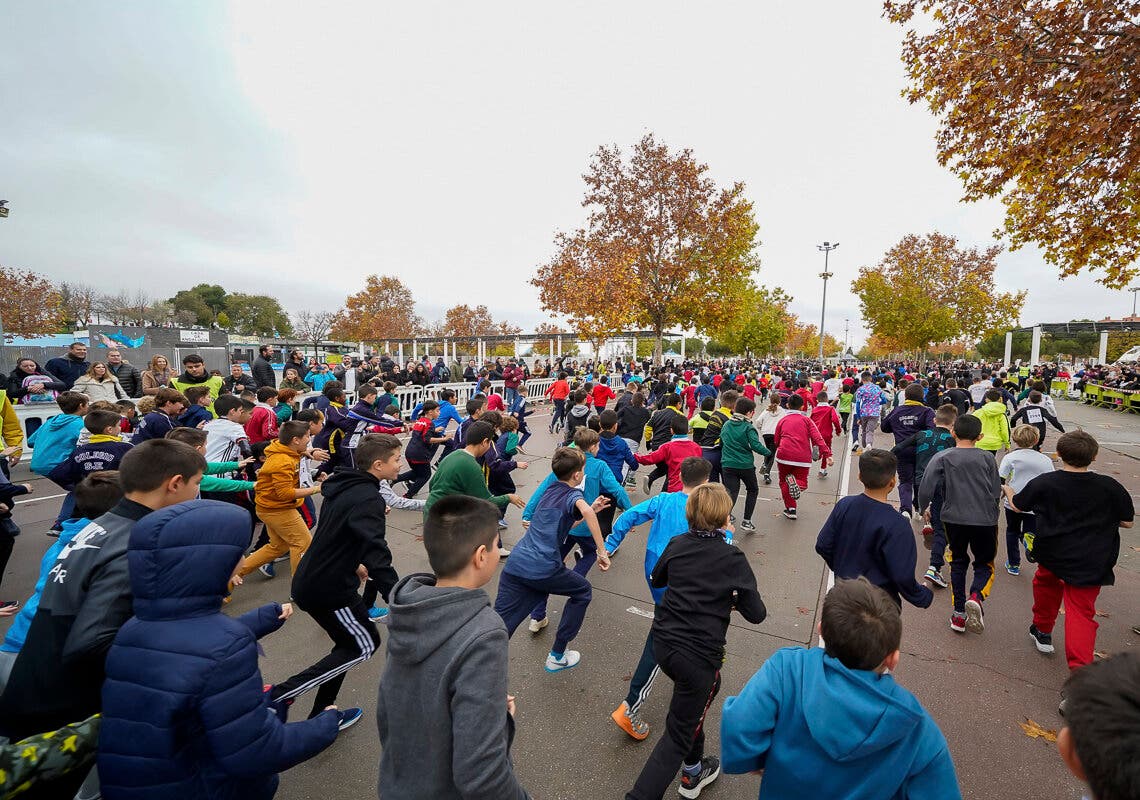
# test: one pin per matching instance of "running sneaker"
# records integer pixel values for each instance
(793, 487)
(928, 537)
(504, 552)
(747, 525)
(855, 448)
(536, 625)
(1043, 641)
(790, 513)
(577, 552)
(767, 479)
(349, 717)
(823, 473)
(376, 613)
(630, 723)
(907, 513)
(503, 525)
(975, 621)
(1012, 569)
(279, 559)
(935, 576)
(267, 570)
(569, 659)
(691, 785)
(645, 485)
(958, 622)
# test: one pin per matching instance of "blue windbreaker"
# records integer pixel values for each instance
(599, 479)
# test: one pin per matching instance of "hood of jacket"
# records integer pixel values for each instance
(424, 617)
(580, 412)
(277, 449)
(181, 558)
(186, 377)
(995, 408)
(346, 480)
(60, 421)
(853, 714)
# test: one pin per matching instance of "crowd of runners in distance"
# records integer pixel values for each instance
(181, 484)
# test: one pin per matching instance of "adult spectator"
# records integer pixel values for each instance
(469, 373)
(237, 381)
(512, 377)
(368, 371)
(69, 367)
(99, 384)
(296, 360)
(157, 375)
(440, 373)
(194, 374)
(262, 370)
(128, 376)
(347, 373)
(419, 376)
(27, 383)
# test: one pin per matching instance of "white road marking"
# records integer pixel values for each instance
(640, 612)
(38, 499)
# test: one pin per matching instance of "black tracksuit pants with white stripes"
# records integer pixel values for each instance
(355, 639)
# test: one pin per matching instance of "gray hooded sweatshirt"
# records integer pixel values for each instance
(442, 710)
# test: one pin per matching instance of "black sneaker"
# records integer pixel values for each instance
(691, 785)
(1044, 641)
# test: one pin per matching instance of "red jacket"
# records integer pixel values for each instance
(809, 398)
(750, 391)
(795, 434)
(673, 452)
(495, 402)
(559, 390)
(512, 377)
(826, 420)
(262, 425)
(602, 394)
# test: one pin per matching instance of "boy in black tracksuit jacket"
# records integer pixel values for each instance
(350, 532)
(706, 578)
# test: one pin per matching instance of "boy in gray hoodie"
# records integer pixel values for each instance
(971, 489)
(446, 721)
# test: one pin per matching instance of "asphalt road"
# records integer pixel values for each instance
(978, 688)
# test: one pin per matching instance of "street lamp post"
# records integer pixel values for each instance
(1134, 290)
(826, 247)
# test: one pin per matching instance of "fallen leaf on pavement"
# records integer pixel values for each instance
(1035, 731)
(1100, 655)
(803, 610)
(1104, 614)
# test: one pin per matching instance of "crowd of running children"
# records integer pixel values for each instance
(122, 655)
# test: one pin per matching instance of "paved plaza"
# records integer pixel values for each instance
(978, 688)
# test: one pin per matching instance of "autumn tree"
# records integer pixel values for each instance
(926, 289)
(29, 305)
(758, 324)
(1038, 104)
(465, 325)
(662, 246)
(78, 304)
(802, 338)
(383, 309)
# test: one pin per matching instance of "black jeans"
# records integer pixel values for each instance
(695, 684)
(355, 639)
(1016, 525)
(414, 478)
(732, 477)
(964, 540)
(659, 471)
(770, 443)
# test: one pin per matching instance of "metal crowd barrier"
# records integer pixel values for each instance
(409, 397)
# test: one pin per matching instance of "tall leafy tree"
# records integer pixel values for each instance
(256, 314)
(926, 290)
(758, 324)
(1039, 104)
(667, 246)
(383, 309)
(29, 304)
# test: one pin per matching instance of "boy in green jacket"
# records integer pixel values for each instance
(995, 424)
(459, 472)
(738, 441)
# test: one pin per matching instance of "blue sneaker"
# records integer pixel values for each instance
(376, 613)
(1012, 569)
(349, 717)
(267, 570)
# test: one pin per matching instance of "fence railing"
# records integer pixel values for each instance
(33, 415)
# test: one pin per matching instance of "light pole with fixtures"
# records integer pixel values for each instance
(827, 247)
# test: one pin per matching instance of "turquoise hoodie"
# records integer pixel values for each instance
(819, 729)
(54, 442)
(599, 478)
(18, 631)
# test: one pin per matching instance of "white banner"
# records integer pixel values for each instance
(199, 337)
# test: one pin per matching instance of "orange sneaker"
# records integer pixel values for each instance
(632, 725)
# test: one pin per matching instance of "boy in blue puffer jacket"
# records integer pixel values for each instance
(667, 510)
(831, 721)
(184, 713)
(613, 449)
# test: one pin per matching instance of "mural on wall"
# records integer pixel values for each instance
(119, 339)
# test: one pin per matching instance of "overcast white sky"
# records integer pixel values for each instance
(292, 148)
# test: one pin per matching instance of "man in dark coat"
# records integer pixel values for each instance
(262, 370)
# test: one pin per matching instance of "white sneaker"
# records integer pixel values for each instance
(569, 659)
(536, 625)
(504, 552)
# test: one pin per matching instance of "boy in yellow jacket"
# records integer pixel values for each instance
(995, 424)
(278, 495)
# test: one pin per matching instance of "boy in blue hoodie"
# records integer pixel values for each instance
(198, 413)
(613, 449)
(95, 495)
(53, 443)
(599, 482)
(667, 512)
(832, 722)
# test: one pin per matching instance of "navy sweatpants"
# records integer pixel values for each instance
(518, 596)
